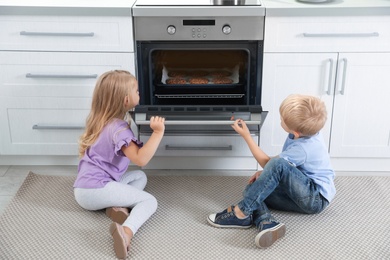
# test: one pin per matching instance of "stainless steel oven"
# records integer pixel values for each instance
(199, 65)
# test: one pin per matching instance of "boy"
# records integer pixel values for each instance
(300, 179)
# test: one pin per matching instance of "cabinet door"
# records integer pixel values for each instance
(66, 33)
(42, 126)
(45, 98)
(361, 122)
(294, 73)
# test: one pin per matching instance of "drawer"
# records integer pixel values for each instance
(219, 146)
(42, 126)
(322, 34)
(67, 33)
(57, 74)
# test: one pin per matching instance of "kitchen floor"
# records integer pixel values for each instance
(11, 177)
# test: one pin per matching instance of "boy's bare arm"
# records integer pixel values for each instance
(241, 128)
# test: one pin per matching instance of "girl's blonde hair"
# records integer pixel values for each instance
(107, 104)
(304, 114)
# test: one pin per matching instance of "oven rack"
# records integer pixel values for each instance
(199, 95)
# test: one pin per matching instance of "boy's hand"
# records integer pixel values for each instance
(240, 127)
(157, 124)
(254, 177)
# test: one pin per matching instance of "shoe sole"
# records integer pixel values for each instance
(267, 237)
(118, 235)
(117, 216)
(226, 226)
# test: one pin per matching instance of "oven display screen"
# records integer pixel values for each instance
(198, 22)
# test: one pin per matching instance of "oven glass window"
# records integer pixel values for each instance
(199, 76)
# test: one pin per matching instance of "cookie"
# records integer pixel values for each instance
(198, 80)
(220, 73)
(177, 73)
(198, 73)
(172, 81)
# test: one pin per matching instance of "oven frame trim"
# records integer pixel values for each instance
(255, 63)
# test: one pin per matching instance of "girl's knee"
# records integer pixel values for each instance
(140, 174)
(153, 203)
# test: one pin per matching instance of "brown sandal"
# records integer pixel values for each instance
(118, 215)
(120, 241)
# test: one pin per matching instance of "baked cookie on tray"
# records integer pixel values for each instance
(198, 73)
(173, 81)
(198, 80)
(178, 73)
(220, 73)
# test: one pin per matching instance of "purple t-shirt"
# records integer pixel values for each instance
(104, 161)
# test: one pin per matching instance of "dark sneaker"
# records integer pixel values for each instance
(269, 233)
(227, 219)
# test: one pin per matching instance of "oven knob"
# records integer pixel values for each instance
(171, 29)
(226, 29)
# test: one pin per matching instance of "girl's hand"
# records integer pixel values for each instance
(240, 127)
(157, 124)
(254, 177)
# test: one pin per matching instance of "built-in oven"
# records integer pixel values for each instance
(199, 65)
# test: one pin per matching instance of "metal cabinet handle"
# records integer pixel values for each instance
(343, 79)
(329, 87)
(373, 34)
(90, 34)
(57, 127)
(203, 148)
(31, 75)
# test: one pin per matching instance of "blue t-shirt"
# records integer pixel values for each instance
(309, 155)
(104, 161)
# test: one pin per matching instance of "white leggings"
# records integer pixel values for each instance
(127, 193)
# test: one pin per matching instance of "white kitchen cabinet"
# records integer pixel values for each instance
(49, 66)
(46, 96)
(348, 68)
(357, 100)
(361, 121)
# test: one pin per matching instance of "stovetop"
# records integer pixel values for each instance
(198, 3)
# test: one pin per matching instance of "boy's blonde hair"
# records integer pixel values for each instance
(304, 114)
(107, 103)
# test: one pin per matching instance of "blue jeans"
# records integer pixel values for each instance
(281, 186)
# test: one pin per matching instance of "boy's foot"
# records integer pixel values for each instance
(118, 215)
(120, 241)
(269, 233)
(227, 219)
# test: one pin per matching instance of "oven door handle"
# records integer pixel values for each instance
(198, 122)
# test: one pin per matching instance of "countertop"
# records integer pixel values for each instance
(330, 7)
(66, 7)
(273, 7)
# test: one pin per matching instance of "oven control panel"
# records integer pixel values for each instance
(199, 32)
(185, 29)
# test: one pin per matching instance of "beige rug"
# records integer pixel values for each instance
(44, 222)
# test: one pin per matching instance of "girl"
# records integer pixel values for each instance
(105, 148)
